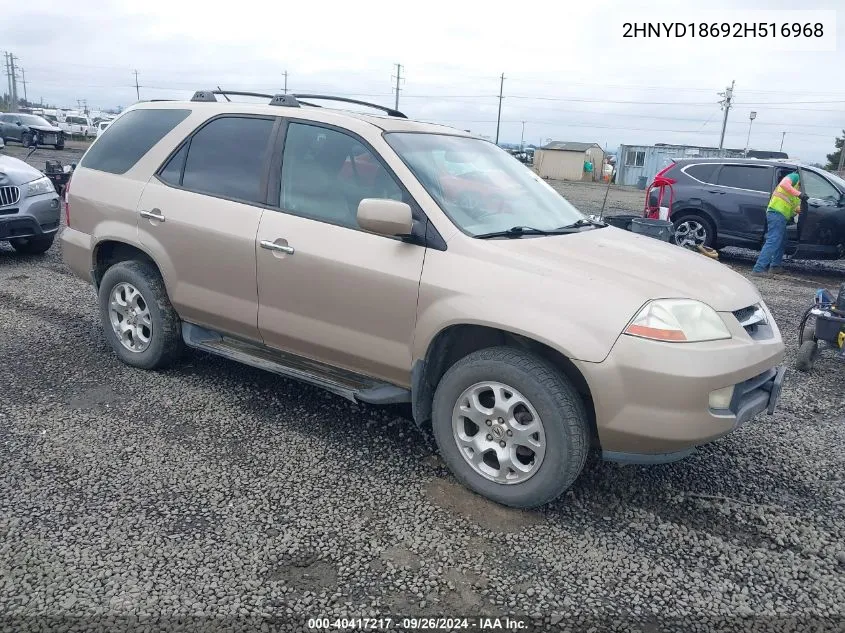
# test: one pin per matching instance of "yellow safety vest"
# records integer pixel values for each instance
(784, 203)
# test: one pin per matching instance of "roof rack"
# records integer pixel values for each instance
(290, 100)
(389, 111)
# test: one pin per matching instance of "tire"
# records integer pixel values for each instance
(59, 146)
(699, 228)
(806, 357)
(26, 139)
(155, 331)
(563, 437)
(33, 245)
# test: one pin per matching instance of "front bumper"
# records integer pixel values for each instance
(652, 399)
(34, 216)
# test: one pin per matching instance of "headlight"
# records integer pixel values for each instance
(678, 321)
(39, 186)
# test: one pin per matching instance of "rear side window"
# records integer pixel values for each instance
(228, 158)
(746, 177)
(130, 137)
(706, 172)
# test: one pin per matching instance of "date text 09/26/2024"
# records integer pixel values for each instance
(677, 30)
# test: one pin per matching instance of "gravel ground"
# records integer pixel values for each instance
(218, 497)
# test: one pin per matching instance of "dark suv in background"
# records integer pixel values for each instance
(721, 202)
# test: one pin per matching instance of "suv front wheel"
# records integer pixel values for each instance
(138, 320)
(510, 426)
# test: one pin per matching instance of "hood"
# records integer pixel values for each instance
(16, 172)
(634, 267)
(47, 129)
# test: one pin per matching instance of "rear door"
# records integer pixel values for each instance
(336, 293)
(198, 218)
(743, 193)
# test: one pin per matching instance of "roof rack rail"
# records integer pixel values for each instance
(290, 100)
(389, 111)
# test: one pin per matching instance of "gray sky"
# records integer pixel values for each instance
(569, 73)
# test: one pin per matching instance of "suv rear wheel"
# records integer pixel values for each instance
(138, 320)
(694, 230)
(510, 426)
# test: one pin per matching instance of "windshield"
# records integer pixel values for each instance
(836, 179)
(481, 187)
(29, 119)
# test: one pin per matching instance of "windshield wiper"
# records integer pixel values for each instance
(519, 231)
(583, 222)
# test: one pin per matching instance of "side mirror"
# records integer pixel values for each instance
(17, 123)
(385, 217)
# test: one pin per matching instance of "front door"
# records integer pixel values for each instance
(328, 290)
(198, 218)
(822, 219)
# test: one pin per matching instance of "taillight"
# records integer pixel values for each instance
(67, 203)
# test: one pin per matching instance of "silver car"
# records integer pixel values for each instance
(29, 207)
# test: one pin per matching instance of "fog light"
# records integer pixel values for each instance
(721, 398)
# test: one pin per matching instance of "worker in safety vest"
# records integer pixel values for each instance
(784, 205)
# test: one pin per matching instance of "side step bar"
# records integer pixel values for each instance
(355, 387)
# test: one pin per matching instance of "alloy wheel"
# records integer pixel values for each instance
(130, 317)
(690, 232)
(498, 432)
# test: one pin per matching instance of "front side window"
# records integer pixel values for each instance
(228, 157)
(481, 187)
(746, 177)
(326, 174)
(817, 187)
(130, 137)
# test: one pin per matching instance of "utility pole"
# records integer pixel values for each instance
(782, 136)
(286, 81)
(137, 87)
(522, 138)
(8, 78)
(24, 82)
(14, 78)
(726, 106)
(499, 117)
(841, 158)
(398, 78)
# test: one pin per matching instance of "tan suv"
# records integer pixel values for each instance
(391, 261)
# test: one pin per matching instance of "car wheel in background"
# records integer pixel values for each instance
(510, 426)
(60, 145)
(33, 245)
(26, 139)
(694, 230)
(806, 357)
(138, 319)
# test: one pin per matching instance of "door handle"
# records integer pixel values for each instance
(154, 214)
(272, 246)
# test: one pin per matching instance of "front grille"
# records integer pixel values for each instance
(744, 314)
(9, 195)
(753, 320)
